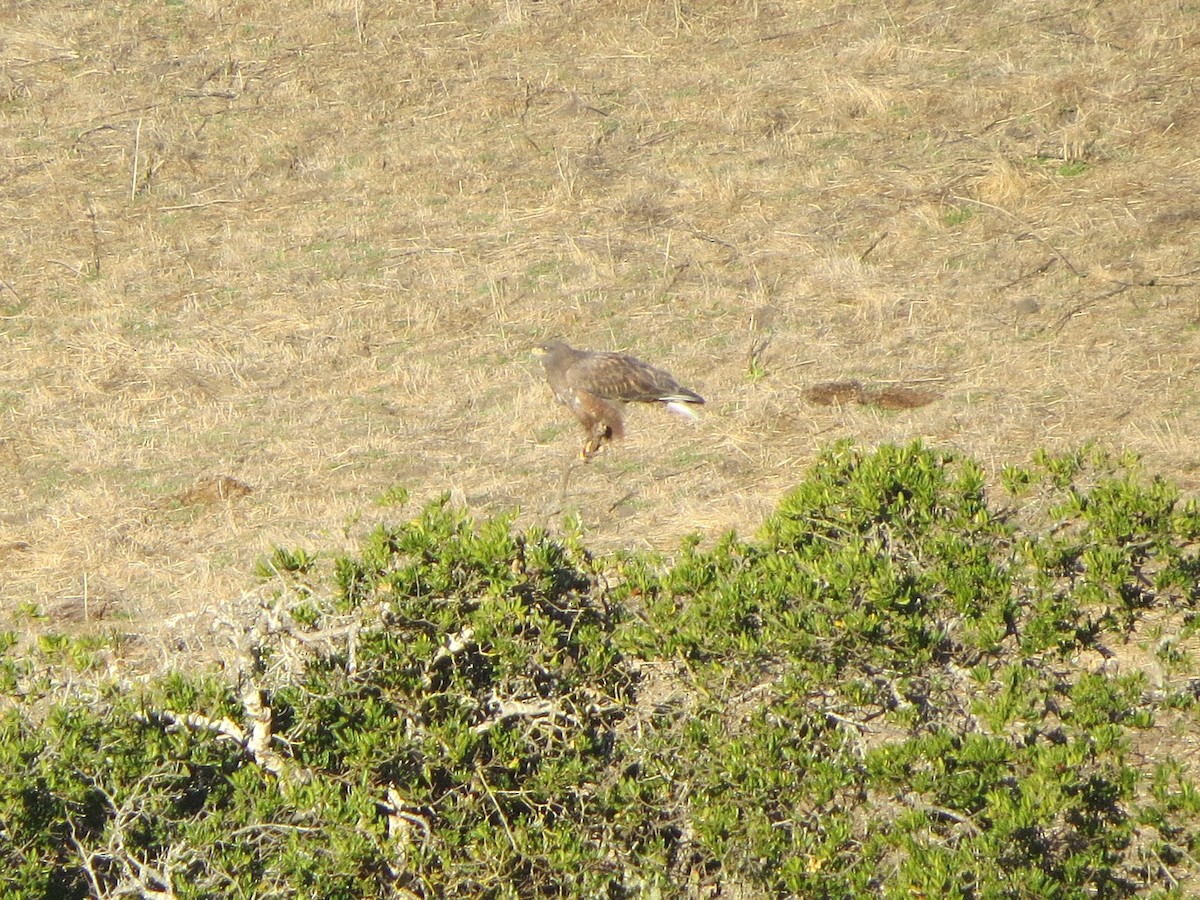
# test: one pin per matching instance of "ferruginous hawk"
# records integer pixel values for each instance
(596, 385)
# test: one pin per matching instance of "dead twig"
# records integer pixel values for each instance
(862, 257)
(95, 236)
(1028, 232)
(1024, 276)
(137, 149)
(195, 205)
(942, 812)
(134, 875)
(503, 710)
(11, 290)
(67, 265)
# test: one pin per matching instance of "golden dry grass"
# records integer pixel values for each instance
(307, 245)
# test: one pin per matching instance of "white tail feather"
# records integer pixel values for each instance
(683, 409)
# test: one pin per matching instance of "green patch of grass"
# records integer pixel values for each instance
(957, 215)
(11, 400)
(396, 495)
(78, 653)
(548, 433)
(1065, 169)
(284, 562)
(546, 271)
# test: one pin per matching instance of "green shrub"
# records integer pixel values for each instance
(880, 693)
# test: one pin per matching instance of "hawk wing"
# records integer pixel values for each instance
(623, 378)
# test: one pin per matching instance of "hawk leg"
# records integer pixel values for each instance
(597, 435)
(601, 420)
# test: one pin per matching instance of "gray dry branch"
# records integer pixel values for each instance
(255, 738)
(113, 869)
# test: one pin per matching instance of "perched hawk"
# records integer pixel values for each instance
(595, 386)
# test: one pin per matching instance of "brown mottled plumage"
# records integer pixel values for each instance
(595, 385)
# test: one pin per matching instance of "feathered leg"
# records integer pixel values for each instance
(597, 435)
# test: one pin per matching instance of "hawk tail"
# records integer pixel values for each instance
(683, 408)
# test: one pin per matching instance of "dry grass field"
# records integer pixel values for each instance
(304, 249)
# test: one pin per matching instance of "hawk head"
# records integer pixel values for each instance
(549, 348)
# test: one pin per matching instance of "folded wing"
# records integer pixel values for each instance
(626, 379)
